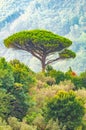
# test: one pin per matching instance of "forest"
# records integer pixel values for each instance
(50, 100)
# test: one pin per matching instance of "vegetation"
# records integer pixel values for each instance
(15, 80)
(41, 44)
(67, 107)
(53, 100)
(49, 100)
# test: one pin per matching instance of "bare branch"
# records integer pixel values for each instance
(35, 54)
(53, 60)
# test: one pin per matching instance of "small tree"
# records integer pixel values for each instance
(41, 44)
(15, 81)
(6, 75)
(6, 101)
(23, 79)
(67, 108)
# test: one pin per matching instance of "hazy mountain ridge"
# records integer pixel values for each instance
(66, 18)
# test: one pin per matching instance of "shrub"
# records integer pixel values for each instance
(3, 125)
(6, 101)
(67, 107)
(54, 125)
(14, 123)
(50, 81)
(25, 126)
(39, 122)
(66, 85)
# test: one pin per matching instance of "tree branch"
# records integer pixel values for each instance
(34, 54)
(50, 61)
(28, 48)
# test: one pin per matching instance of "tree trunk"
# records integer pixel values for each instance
(43, 67)
(43, 63)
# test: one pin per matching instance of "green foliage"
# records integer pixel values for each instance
(57, 75)
(14, 123)
(49, 68)
(84, 124)
(31, 116)
(4, 64)
(41, 44)
(6, 103)
(38, 37)
(22, 74)
(6, 75)
(45, 80)
(23, 79)
(83, 74)
(54, 125)
(67, 107)
(16, 79)
(82, 93)
(66, 85)
(67, 54)
(78, 80)
(50, 80)
(40, 76)
(37, 100)
(25, 126)
(39, 122)
(83, 79)
(3, 125)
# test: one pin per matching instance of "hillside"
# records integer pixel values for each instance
(53, 100)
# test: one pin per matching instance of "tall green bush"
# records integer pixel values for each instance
(67, 107)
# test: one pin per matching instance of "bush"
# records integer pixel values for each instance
(39, 122)
(67, 107)
(14, 123)
(57, 75)
(6, 103)
(50, 81)
(3, 125)
(25, 126)
(54, 125)
(66, 85)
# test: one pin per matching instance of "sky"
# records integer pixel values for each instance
(64, 17)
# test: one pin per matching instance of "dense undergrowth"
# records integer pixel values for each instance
(53, 100)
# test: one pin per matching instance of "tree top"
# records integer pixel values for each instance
(43, 38)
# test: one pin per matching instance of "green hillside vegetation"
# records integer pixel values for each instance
(50, 100)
